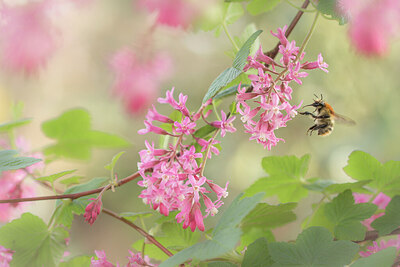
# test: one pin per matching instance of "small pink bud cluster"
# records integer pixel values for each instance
(135, 260)
(176, 180)
(381, 200)
(93, 209)
(271, 91)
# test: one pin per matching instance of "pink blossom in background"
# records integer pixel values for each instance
(173, 13)
(135, 260)
(5, 256)
(27, 36)
(137, 81)
(381, 246)
(381, 200)
(371, 36)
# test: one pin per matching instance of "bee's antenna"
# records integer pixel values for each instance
(322, 97)
(316, 96)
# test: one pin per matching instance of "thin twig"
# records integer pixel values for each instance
(373, 235)
(140, 230)
(71, 196)
(272, 53)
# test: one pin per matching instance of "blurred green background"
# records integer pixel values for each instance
(364, 89)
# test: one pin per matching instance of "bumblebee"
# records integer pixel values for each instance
(324, 117)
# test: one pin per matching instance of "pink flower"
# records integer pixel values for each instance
(260, 81)
(382, 245)
(225, 124)
(92, 210)
(381, 200)
(281, 35)
(371, 36)
(185, 127)
(137, 260)
(173, 13)
(101, 261)
(28, 38)
(137, 80)
(320, 64)
(294, 73)
(5, 256)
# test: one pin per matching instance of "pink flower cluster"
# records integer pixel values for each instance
(381, 246)
(381, 200)
(371, 36)
(137, 79)
(135, 260)
(271, 91)
(13, 185)
(172, 177)
(28, 37)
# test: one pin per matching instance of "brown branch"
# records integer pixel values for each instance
(140, 230)
(71, 196)
(373, 235)
(272, 53)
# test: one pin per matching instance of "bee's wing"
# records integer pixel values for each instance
(343, 119)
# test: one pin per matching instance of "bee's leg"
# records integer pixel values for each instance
(311, 129)
(314, 116)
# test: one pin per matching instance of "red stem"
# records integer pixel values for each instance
(71, 196)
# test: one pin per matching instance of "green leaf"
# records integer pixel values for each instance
(9, 161)
(241, 57)
(231, 73)
(385, 177)
(257, 254)
(204, 131)
(238, 210)
(383, 258)
(66, 209)
(329, 8)
(354, 187)
(229, 91)
(223, 14)
(313, 247)
(222, 80)
(72, 180)
(80, 261)
(318, 218)
(5, 127)
(133, 216)
(252, 235)
(391, 220)
(221, 264)
(256, 7)
(33, 243)
(114, 160)
(286, 178)
(74, 136)
(347, 216)
(267, 216)
(224, 236)
(54, 177)
(223, 242)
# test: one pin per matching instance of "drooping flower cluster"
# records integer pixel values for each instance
(271, 91)
(13, 183)
(381, 246)
(371, 36)
(92, 210)
(137, 80)
(381, 200)
(172, 177)
(135, 260)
